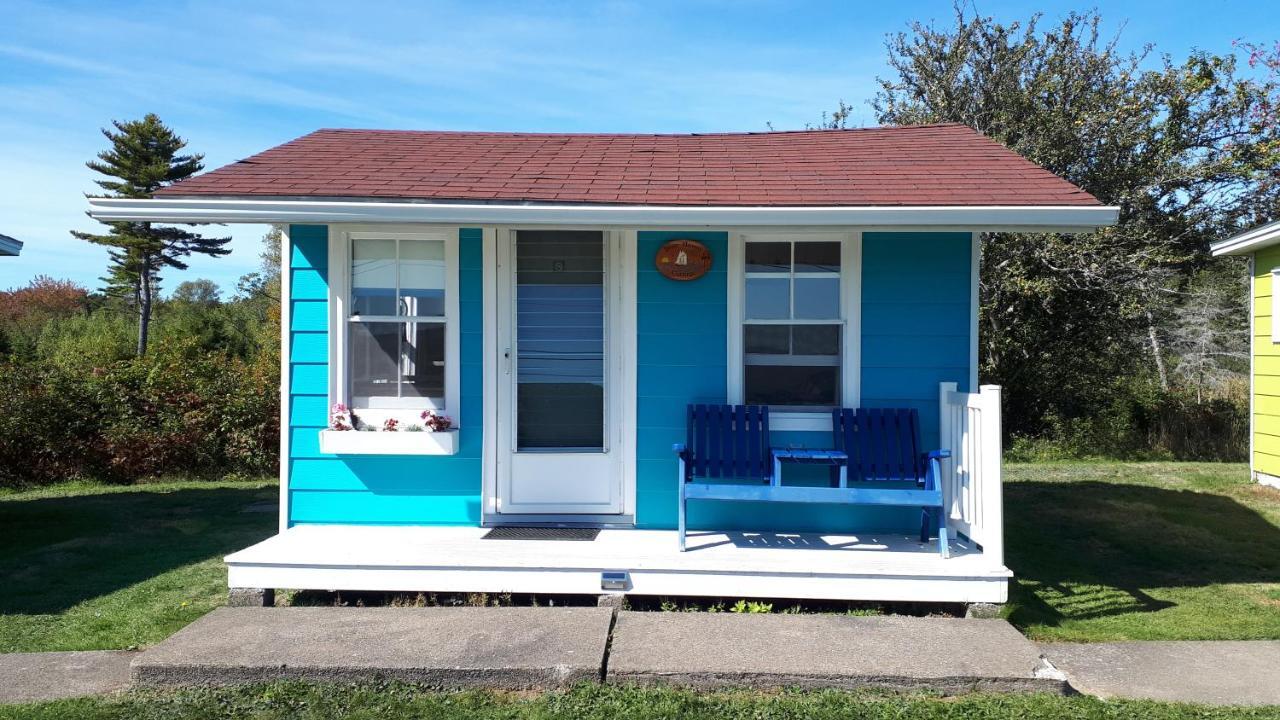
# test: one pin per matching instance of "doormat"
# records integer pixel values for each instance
(541, 533)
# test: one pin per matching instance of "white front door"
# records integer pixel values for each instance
(557, 415)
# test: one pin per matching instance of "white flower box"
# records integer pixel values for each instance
(399, 442)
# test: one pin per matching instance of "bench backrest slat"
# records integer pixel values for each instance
(883, 443)
(729, 441)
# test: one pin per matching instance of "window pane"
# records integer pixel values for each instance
(788, 385)
(768, 257)
(397, 359)
(373, 277)
(817, 298)
(816, 339)
(817, 257)
(375, 359)
(422, 277)
(768, 299)
(767, 339)
(422, 360)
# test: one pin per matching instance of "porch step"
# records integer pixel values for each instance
(542, 648)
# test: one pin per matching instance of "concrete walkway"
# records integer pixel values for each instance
(31, 677)
(1218, 673)
(553, 647)
(826, 651)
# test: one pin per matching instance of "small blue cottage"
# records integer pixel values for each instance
(518, 362)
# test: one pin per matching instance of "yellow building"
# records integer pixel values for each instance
(1262, 246)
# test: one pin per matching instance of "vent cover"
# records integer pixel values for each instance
(508, 532)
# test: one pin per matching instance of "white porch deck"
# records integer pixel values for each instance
(870, 567)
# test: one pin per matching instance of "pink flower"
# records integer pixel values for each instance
(340, 418)
(390, 425)
(436, 422)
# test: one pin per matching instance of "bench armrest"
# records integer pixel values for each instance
(933, 468)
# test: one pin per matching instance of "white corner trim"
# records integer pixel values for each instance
(1060, 218)
(1250, 240)
(975, 305)
(286, 367)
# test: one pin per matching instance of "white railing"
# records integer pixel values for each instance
(971, 484)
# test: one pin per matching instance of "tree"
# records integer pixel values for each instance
(1182, 147)
(198, 292)
(144, 157)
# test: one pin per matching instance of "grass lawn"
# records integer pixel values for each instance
(1142, 551)
(603, 702)
(92, 567)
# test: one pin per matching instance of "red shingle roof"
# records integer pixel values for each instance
(920, 165)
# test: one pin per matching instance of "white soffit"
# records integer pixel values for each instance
(1249, 241)
(225, 210)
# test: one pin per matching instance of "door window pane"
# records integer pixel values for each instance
(373, 277)
(560, 334)
(422, 276)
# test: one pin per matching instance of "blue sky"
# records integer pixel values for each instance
(237, 77)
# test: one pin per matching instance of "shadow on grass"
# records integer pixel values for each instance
(58, 552)
(1085, 550)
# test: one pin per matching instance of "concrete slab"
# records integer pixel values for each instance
(821, 651)
(1224, 673)
(32, 677)
(508, 648)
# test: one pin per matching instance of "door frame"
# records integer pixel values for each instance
(620, 374)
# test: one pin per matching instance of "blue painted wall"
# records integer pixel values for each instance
(915, 298)
(371, 490)
(915, 334)
(915, 320)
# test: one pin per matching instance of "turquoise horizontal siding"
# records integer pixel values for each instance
(915, 325)
(414, 490)
(915, 320)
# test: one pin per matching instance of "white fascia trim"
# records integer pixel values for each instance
(1248, 241)
(195, 210)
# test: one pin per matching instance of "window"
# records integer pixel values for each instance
(792, 322)
(397, 349)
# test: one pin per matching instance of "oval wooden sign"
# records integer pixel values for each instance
(683, 260)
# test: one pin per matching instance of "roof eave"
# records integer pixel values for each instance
(1249, 241)
(1034, 218)
(9, 246)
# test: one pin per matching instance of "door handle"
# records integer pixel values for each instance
(506, 357)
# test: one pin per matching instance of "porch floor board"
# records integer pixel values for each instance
(868, 566)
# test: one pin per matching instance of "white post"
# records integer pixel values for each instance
(946, 439)
(992, 482)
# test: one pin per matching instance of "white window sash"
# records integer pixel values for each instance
(375, 410)
(850, 322)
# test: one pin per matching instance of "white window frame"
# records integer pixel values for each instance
(850, 336)
(1275, 305)
(340, 320)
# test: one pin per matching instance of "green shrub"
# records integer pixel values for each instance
(179, 409)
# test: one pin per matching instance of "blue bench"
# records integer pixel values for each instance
(731, 442)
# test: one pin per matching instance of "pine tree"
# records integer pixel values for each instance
(144, 157)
